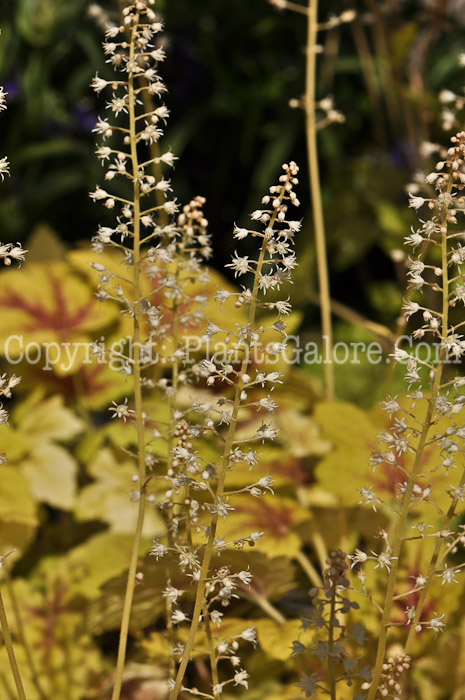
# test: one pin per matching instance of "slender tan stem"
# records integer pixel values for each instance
(131, 581)
(268, 608)
(294, 7)
(200, 596)
(317, 539)
(23, 639)
(211, 647)
(397, 544)
(431, 572)
(222, 472)
(309, 569)
(10, 651)
(402, 519)
(316, 197)
(170, 443)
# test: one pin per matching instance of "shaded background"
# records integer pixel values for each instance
(232, 68)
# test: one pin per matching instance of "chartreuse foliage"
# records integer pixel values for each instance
(64, 463)
(70, 493)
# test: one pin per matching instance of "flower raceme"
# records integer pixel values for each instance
(148, 260)
(426, 420)
(8, 253)
(152, 265)
(198, 539)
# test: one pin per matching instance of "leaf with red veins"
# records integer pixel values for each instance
(276, 516)
(47, 303)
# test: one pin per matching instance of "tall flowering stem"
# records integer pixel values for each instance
(413, 431)
(139, 419)
(274, 263)
(8, 253)
(160, 293)
(141, 226)
(10, 651)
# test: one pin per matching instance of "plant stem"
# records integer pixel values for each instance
(209, 549)
(402, 520)
(331, 669)
(309, 569)
(154, 149)
(294, 7)
(398, 535)
(382, 333)
(22, 638)
(211, 647)
(268, 608)
(431, 571)
(316, 197)
(131, 581)
(10, 651)
(316, 537)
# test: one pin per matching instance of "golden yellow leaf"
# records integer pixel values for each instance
(275, 639)
(108, 498)
(47, 418)
(64, 315)
(276, 516)
(18, 512)
(51, 473)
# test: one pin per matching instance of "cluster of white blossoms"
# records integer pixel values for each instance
(4, 164)
(169, 250)
(198, 497)
(152, 265)
(328, 114)
(452, 105)
(423, 446)
(8, 252)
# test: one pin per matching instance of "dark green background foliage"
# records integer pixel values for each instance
(232, 67)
